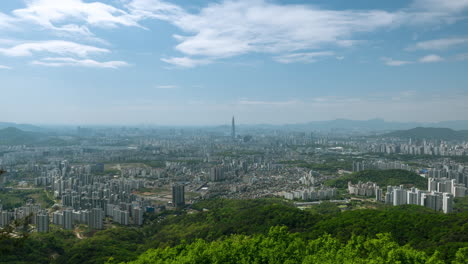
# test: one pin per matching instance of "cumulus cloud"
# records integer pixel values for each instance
(52, 46)
(304, 57)
(60, 62)
(438, 44)
(431, 58)
(392, 62)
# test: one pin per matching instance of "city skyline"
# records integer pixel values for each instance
(275, 62)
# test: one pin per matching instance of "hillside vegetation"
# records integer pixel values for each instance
(280, 247)
(258, 231)
(382, 177)
(15, 136)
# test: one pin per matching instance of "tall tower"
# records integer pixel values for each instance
(233, 129)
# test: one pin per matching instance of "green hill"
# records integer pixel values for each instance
(382, 177)
(15, 136)
(253, 231)
(430, 133)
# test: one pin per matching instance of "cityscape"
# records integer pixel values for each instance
(233, 131)
(107, 176)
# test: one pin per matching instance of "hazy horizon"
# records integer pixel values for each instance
(226, 123)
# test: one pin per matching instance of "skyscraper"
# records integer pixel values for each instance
(233, 129)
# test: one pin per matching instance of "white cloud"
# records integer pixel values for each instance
(438, 44)
(232, 28)
(6, 21)
(392, 62)
(52, 46)
(54, 14)
(3, 67)
(304, 57)
(155, 9)
(166, 86)
(436, 11)
(431, 58)
(235, 27)
(187, 62)
(4, 41)
(60, 62)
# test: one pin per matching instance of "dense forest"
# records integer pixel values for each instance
(258, 231)
(383, 178)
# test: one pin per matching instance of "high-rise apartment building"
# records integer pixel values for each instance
(178, 195)
(67, 219)
(43, 222)
(138, 216)
(96, 218)
(447, 203)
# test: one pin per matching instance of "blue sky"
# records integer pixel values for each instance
(173, 63)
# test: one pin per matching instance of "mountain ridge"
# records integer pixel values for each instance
(430, 133)
(371, 125)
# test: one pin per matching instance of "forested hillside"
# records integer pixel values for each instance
(280, 247)
(250, 230)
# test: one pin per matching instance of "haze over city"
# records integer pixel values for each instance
(200, 62)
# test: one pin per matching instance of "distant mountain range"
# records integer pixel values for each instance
(372, 125)
(380, 125)
(365, 126)
(24, 127)
(430, 133)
